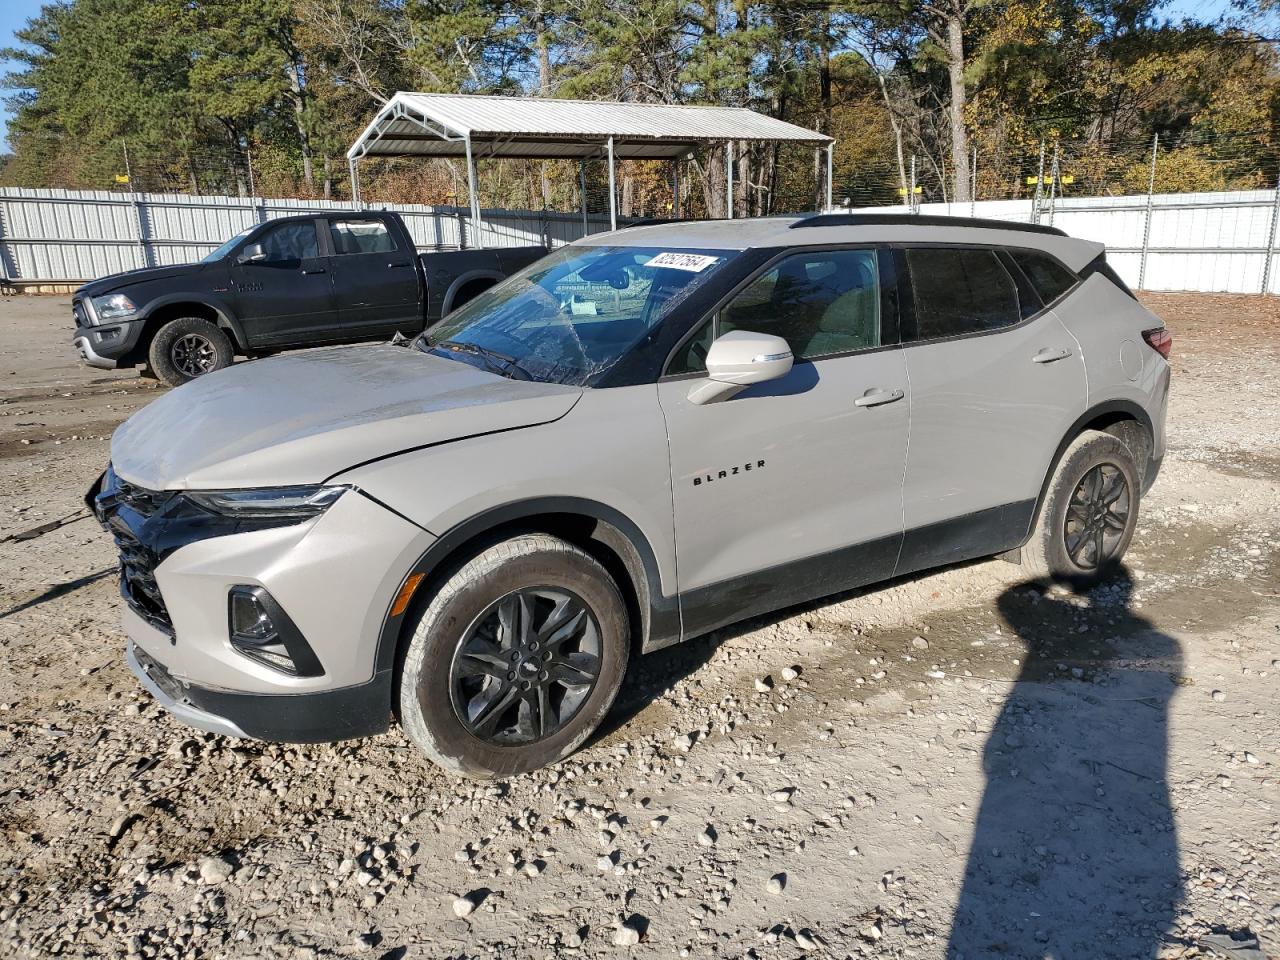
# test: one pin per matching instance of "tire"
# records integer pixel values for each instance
(472, 681)
(186, 348)
(1070, 555)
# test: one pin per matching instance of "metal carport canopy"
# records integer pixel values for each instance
(470, 126)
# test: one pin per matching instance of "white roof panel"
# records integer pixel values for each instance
(437, 124)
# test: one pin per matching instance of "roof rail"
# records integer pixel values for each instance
(920, 220)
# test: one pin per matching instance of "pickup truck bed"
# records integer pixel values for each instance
(455, 276)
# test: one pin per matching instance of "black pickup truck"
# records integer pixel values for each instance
(292, 282)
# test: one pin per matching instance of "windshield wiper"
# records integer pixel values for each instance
(499, 363)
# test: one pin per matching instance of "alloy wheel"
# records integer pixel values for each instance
(193, 354)
(526, 666)
(1097, 517)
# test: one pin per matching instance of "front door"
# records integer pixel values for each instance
(286, 298)
(792, 489)
(374, 280)
(992, 395)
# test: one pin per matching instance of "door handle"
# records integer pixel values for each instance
(313, 271)
(876, 396)
(1050, 354)
(397, 263)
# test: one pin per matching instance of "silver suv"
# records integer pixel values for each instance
(640, 438)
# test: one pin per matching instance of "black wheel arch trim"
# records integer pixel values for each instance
(458, 283)
(226, 318)
(659, 614)
(1126, 408)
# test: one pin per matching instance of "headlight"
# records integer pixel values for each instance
(113, 306)
(267, 503)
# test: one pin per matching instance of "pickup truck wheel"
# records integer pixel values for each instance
(515, 660)
(1089, 512)
(188, 347)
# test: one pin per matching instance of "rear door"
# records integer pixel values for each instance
(287, 298)
(996, 381)
(792, 489)
(375, 279)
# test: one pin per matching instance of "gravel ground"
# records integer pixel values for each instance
(951, 765)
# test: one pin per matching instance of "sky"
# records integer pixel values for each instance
(14, 15)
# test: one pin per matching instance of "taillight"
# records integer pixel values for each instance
(1160, 340)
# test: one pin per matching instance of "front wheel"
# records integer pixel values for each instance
(515, 660)
(1089, 512)
(188, 347)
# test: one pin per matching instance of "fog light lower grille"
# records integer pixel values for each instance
(261, 630)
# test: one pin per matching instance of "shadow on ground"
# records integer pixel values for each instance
(58, 590)
(1074, 853)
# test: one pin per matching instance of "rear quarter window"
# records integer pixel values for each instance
(1050, 278)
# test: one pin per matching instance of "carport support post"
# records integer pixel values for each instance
(477, 227)
(355, 182)
(613, 194)
(728, 179)
(582, 193)
(675, 189)
(830, 162)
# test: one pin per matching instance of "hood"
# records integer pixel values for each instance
(304, 417)
(131, 278)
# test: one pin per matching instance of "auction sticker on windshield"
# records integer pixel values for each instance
(693, 262)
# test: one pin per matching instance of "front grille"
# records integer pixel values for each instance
(138, 583)
(145, 503)
(124, 509)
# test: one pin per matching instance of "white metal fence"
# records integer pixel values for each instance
(1211, 242)
(53, 236)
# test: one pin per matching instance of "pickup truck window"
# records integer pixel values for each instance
(360, 236)
(572, 315)
(290, 241)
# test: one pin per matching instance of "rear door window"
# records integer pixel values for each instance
(360, 236)
(1050, 278)
(958, 291)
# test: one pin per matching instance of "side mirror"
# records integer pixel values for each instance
(252, 253)
(738, 359)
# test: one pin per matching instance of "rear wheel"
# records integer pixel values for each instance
(188, 347)
(1089, 512)
(515, 660)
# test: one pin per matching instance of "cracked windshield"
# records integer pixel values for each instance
(574, 314)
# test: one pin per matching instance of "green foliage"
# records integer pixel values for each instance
(206, 94)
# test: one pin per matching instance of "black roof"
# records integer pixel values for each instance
(920, 220)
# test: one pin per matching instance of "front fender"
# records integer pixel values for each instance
(606, 460)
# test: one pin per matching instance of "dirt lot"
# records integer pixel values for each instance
(953, 765)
